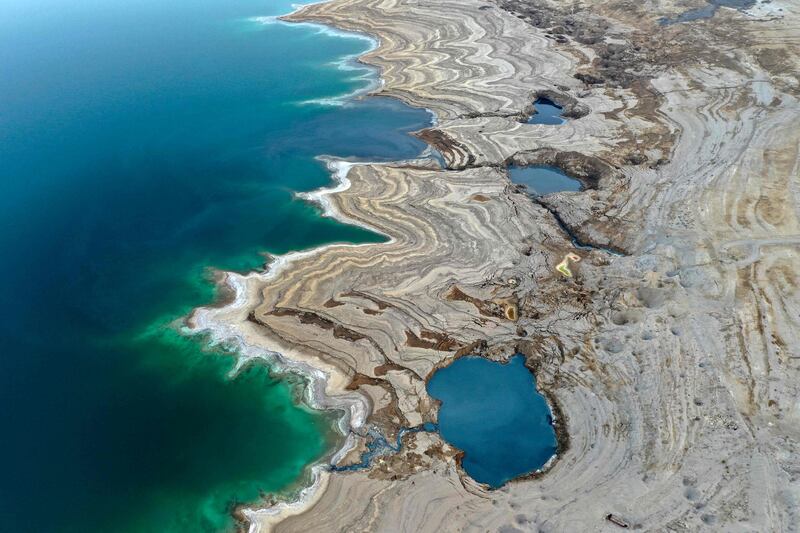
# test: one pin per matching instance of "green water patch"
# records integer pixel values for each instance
(199, 441)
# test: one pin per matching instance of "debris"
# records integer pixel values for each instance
(616, 520)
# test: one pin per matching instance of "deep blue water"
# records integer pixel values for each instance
(543, 179)
(547, 112)
(142, 143)
(494, 414)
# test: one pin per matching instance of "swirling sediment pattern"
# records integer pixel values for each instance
(672, 370)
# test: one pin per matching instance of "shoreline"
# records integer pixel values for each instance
(349, 62)
(630, 351)
(318, 381)
(236, 286)
(354, 408)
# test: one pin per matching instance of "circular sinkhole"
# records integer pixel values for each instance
(543, 179)
(547, 112)
(493, 412)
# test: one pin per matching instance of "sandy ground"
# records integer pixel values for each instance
(672, 369)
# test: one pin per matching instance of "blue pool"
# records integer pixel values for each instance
(494, 414)
(547, 112)
(543, 179)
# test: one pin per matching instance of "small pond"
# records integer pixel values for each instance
(543, 179)
(547, 112)
(494, 414)
(707, 11)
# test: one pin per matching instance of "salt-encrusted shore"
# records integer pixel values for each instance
(226, 325)
(672, 368)
(216, 323)
(221, 324)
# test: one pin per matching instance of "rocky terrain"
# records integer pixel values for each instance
(670, 358)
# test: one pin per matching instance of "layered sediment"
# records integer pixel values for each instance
(672, 369)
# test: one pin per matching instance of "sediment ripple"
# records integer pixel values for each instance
(671, 369)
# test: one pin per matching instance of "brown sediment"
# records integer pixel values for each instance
(484, 307)
(381, 370)
(451, 150)
(432, 340)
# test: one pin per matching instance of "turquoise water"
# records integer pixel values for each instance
(547, 112)
(493, 413)
(543, 179)
(142, 144)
